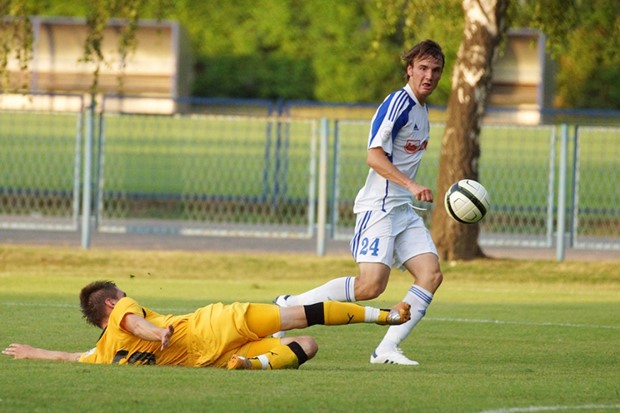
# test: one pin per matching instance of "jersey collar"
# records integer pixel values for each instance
(412, 95)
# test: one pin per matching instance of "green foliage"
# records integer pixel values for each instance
(98, 16)
(342, 51)
(403, 23)
(591, 65)
(555, 18)
(253, 76)
(15, 29)
(584, 36)
(319, 50)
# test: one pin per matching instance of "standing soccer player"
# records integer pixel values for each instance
(388, 232)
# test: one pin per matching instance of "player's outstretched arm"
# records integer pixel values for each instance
(24, 351)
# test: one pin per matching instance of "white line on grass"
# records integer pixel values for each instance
(533, 409)
(440, 319)
(39, 305)
(523, 323)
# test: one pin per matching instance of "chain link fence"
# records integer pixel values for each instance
(595, 222)
(259, 176)
(40, 167)
(207, 175)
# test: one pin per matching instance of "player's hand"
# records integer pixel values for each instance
(19, 351)
(420, 192)
(165, 339)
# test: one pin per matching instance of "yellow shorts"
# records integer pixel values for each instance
(218, 331)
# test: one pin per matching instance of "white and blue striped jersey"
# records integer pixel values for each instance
(400, 126)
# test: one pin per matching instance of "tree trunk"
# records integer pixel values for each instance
(460, 146)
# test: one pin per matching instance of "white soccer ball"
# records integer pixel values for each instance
(467, 201)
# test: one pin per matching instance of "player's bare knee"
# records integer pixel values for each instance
(308, 344)
(371, 281)
(368, 291)
(431, 280)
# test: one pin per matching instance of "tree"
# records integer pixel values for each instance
(485, 25)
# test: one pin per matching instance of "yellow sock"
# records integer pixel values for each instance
(337, 313)
(279, 357)
(382, 317)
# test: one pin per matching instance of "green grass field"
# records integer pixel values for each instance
(501, 336)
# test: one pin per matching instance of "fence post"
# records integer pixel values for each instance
(322, 200)
(98, 178)
(77, 166)
(87, 178)
(574, 199)
(561, 227)
(335, 192)
(551, 187)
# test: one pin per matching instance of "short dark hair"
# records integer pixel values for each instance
(424, 48)
(92, 300)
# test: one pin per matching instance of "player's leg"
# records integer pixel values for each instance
(419, 298)
(420, 259)
(333, 313)
(262, 320)
(372, 245)
(338, 289)
(292, 352)
(249, 349)
(273, 354)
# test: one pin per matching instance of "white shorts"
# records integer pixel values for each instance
(391, 238)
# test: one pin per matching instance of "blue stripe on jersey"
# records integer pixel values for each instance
(401, 98)
(355, 243)
(387, 187)
(403, 118)
(385, 195)
(394, 103)
(381, 112)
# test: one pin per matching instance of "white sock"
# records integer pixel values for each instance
(419, 299)
(371, 314)
(338, 289)
(264, 361)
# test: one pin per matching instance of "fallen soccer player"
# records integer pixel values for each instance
(234, 336)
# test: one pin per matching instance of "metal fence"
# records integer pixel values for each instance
(595, 200)
(207, 175)
(40, 169)
(278, 176)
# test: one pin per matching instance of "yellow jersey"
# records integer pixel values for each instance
(118, 346)
(205, 337)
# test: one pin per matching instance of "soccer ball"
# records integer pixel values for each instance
(467, 201)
